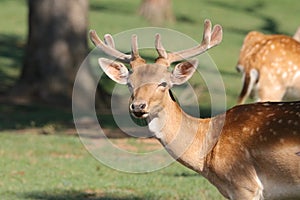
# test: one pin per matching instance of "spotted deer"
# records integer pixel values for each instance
(249, 152)
(271, 67)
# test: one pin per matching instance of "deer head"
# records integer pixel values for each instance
(150, 83)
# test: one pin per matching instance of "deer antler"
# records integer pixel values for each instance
(211, 38)
(109, 40)
(109, 48)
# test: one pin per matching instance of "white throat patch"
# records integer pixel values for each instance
(155, 126)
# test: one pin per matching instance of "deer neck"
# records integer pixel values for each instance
(183, 136)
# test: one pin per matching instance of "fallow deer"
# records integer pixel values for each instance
(271, 67)
(251, 151)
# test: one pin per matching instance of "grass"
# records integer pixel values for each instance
(49, 167)
(42, 158)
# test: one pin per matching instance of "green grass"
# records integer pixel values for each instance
(40, 160)
(48, 167)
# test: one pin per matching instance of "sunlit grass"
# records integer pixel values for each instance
(59, 167)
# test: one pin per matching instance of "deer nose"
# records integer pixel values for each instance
(138, 106)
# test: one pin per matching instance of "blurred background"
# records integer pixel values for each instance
(42, 45)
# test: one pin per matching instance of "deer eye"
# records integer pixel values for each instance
(163, 84)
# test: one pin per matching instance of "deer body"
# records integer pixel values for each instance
(256, 153)
(235, 157)
(271, 67)
(250, 152)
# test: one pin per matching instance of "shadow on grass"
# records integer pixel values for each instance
(186, 174)
(185, 19)
(77, 195)
(270, 25)
(112, 7)
(14, 116)
(11, 55)
(12, 47)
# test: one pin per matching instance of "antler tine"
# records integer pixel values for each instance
(108, 48)
(134, 47)
(159, 48)
(136, 58)
(206, 33)
(109, 40)
(216, 36)
(210, 39)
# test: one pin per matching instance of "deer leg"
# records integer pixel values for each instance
(249, 81)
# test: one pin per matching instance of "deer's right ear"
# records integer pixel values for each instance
(117, 71)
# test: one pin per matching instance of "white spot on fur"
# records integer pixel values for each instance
(284, 75)
(245, 129)
(272, 46)
(270, 115)
(295, 67)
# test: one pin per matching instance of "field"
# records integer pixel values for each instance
(41, 156)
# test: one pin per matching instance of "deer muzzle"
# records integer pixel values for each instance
(138, 109)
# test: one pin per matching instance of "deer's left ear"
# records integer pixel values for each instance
(183, 71)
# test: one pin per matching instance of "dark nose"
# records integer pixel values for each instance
(138, 106)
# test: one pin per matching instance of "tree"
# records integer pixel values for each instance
(157, 11)
(56, 46)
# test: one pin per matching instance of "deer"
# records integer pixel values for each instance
(270, 65)
(249, 152)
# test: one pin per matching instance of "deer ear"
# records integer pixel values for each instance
(117, 71)
(183, 71)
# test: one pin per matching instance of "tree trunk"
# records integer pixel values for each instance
(56, 46)
(157, 11)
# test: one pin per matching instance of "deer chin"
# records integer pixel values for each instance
(140, 115)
